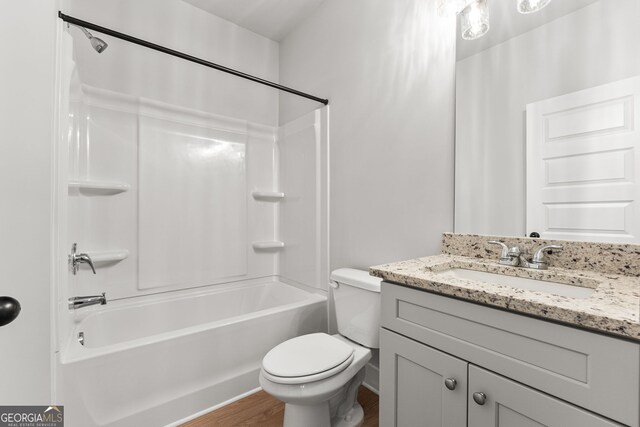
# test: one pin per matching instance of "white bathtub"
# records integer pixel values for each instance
(156, 362)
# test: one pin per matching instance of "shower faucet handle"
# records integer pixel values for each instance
(75, 259)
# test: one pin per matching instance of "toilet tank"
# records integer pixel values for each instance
(356, 297)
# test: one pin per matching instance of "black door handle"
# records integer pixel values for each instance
(9, 310)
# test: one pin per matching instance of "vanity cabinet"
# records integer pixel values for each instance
(422, 386)
(532, 372)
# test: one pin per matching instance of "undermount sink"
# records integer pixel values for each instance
(554, 288)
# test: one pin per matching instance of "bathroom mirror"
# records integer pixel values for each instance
(547, 132)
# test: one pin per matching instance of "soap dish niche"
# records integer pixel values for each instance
(268, 196)
(98, 188)
(270, 245)
(108, 257)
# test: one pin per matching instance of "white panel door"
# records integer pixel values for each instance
(582, 164)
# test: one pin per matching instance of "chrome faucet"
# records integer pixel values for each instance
(75, 259)
(515, 257)
(508, 256)
(538, 262)
(79, 302)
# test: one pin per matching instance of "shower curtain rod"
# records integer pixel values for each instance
(131, 39)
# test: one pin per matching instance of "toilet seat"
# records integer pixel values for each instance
(306, 359)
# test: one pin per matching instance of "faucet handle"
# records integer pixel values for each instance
(85, 258)
(514, 252)
(509, 256)
(75, 259)
(538, 257)
(505, 248)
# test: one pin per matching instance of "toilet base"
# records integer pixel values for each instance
(318, 416)
(342, 410)
(306, 415)
(348, 412)
(354, 418)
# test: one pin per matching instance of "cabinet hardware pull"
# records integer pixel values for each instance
(479, 397)
(450, 383)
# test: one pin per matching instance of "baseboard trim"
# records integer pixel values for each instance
(213, 408)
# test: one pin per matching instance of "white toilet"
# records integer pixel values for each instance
(317, 376)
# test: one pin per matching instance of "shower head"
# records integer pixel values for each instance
(98, 44)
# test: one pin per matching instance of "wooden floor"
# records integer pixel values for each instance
(262, 410)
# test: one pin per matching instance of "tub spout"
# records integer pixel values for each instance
(79, 302)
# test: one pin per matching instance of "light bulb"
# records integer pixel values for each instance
(451, 7)
(530, 6)
(474, 20)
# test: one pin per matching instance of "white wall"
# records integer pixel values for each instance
(135, 70)
(388, 69)
(592, 46)
(27, 42)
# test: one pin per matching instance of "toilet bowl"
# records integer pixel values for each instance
(317, 376)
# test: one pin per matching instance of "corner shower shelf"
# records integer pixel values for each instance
(108, 256)
(268, 196)
(99, 188)
(270, 245)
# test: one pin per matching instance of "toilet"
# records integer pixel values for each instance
(317, 376)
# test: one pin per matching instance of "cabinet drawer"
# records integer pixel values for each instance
(593, 371)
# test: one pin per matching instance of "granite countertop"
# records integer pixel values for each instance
(613, 307)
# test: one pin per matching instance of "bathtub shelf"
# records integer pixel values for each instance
(103, 257)
(99, 188)
(267, 246)
(268, 196)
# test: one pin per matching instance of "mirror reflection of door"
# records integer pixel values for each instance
(582, 164)
(568, 47)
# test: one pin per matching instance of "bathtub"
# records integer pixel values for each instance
(175, 355)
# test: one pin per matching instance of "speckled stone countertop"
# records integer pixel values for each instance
(612, 308)
(617, 258)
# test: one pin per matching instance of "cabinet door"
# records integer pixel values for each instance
(413, 391)
(510, 404)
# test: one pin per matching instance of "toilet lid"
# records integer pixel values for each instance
(306, 356)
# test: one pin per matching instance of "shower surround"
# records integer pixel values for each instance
(209, 237)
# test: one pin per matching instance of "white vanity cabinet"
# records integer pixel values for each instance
(531, 372)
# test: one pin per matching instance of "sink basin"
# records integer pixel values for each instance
(553, 288)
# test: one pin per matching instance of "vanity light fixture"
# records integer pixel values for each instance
(474, 20)
(531, 6)
(451, 7)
